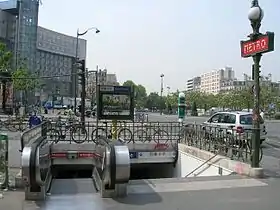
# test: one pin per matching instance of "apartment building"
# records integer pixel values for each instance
(194, 84)
(103, 78)
(228, 85)
(211, 82)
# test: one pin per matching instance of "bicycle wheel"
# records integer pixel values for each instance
(161, 136)
(140, 135)
(97, 133)
(10, 125)
(53, 135)
(81, 133)
(22, 126)
(125, 134)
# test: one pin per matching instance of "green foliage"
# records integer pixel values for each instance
(235, 99)
(24, 80)
(6, 58)
(194, 109)
(140, 94)
(155, 101)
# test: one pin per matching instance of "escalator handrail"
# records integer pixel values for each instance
(33, 159)
(112, 167)
(43, 126)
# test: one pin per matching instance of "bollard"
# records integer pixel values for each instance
(4, 165)
(181, 107)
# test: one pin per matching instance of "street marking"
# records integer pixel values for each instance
(193, 186)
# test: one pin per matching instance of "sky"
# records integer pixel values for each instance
(142, 39)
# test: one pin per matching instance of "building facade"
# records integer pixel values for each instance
(194, 84)
(55, 57)
(267, 82)
(103, 78)
(45, 52)
(211, 82)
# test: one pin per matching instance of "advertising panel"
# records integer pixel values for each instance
(115, 103)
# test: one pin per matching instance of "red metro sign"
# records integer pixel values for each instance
(263, 44)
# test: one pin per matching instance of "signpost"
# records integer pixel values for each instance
(255, 47)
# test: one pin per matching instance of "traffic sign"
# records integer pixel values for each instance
(262, 44)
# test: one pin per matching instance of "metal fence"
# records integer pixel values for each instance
(128, 132)
(227, 142)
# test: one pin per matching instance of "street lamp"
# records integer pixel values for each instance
(76, 58)
(161, 91)
(168, 90)
(255, 16)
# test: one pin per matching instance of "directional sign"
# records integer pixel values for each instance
(263, 44)
(107, 88)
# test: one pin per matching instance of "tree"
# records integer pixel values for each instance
(140, 94)
(5, 68)
(194, 109)
(24, 80)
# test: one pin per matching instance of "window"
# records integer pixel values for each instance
(216, 118)
(248, 119)
(229, 118)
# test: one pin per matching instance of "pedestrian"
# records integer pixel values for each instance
(262, 113)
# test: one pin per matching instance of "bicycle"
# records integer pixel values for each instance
(59, 132)
(149, 133)
(14, 124)
(122, 133)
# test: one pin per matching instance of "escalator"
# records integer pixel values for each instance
(78, 186)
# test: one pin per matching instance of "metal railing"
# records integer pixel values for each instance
(128, 132)
(201, 165)
(228, 142)
(141, 117)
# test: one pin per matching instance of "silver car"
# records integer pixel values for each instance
(236, 123)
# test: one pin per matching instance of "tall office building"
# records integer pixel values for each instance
(55, 56)
(45, 52)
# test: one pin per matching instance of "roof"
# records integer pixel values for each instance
(236, 112)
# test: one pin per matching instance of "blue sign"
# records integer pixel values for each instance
(133, 155)
(122, 89)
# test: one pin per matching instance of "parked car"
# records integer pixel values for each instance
(236, 123)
